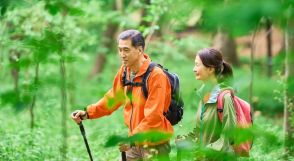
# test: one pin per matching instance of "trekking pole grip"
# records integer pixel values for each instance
(82, 129)
(74, 114)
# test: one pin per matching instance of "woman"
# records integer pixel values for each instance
(215, 74)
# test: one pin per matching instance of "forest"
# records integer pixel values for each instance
(57, 56)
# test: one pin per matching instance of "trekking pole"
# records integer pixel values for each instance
(123, 156)
(82, 129)
(179, 154)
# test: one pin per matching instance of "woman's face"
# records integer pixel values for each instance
(202, 72)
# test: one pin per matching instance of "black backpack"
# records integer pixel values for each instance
(176, 107)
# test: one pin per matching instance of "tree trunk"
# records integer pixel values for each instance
(143, 22)
(150, 25)
(269, 47)
(289, 92)
(2, 32)
(226, 44)
(63, 107)
(14, 59)
(35, 89)
(72, 87)
(252, 70)
(63, 91)
(107, 42)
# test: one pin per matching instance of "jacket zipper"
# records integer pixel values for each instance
(132, 110)
(201, 121)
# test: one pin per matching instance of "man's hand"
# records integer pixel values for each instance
(78, 115)
(124, 147)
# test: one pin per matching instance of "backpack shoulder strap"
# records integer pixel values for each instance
(145, 78)
(220, 103)
(124, 77)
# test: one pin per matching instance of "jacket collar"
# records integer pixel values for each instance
(213, 93)
(144, 66)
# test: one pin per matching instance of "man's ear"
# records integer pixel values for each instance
(140, 49)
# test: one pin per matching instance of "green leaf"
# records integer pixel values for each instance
(51, 42)
(3, 6)
(114, 140)
(58, 6)
(151, 137)
(73, 11)
(52, 9)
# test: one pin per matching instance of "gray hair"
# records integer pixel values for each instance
(135, 36)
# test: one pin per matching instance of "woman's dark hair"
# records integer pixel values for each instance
(135, 36)
(213, 58)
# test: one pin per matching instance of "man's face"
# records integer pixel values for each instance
(129, 54)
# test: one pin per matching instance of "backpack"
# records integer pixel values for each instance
(175, 110)
(244, 119)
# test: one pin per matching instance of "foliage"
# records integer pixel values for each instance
(267, 93)
(19, 143)
(149, 137)
(46, 31)
(240, 20)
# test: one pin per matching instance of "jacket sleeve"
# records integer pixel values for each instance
(228, 124)
(194, 134)
(155, 103)
(111, 101)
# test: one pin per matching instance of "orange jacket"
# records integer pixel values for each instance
(140, 115)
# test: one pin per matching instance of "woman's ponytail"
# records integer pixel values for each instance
(226, 73)
(213, 58)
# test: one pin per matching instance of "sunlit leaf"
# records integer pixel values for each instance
(150, 137)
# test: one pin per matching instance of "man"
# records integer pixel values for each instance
(140, 114)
